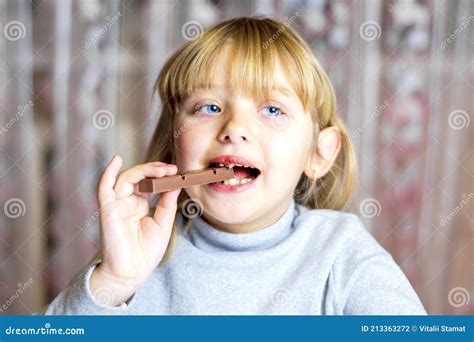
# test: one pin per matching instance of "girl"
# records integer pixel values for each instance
(247, 94)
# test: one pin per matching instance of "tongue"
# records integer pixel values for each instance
(241, 172)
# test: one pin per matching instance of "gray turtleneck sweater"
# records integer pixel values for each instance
(310, 262)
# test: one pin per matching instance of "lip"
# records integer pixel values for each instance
(230, 159)
(219, 187)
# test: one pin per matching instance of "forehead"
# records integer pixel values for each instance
(237, 77)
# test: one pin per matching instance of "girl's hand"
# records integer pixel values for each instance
(132, 243)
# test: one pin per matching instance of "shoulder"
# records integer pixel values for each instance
(340, 239)
(360, 270)
(328, 218)
(343, 229)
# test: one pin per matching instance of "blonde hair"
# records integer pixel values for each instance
(256, 45)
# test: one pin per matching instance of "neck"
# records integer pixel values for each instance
(268, 219)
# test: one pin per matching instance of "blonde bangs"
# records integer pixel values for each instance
(252, 55)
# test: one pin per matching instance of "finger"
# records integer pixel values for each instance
(143, 207)
(140, 208)
(157, 230)
(144, 195)
(105, 191)
(125, 185)
(165, 211)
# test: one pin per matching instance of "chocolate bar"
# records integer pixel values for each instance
(190, 178)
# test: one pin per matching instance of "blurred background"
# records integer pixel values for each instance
(75, 88)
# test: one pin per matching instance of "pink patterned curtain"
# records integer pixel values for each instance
(76, 80)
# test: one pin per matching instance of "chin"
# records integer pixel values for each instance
(230, 212)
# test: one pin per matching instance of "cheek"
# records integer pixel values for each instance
(285, 149)
(189, 146)
(285, 153)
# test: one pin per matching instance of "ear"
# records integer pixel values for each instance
(324, 154)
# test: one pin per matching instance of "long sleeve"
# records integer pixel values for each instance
(380, 287)
(77, 299)
(370, 282)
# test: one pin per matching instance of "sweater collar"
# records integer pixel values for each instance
(204, 236)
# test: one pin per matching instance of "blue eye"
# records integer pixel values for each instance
(208, 109)
(272, 111)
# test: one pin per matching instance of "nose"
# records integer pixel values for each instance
(236, 127)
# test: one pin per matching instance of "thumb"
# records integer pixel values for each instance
(157, 230)
(165, 211)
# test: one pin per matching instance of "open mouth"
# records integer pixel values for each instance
(242, 173)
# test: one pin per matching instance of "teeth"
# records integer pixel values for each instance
(230, 166)
(236, 181)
